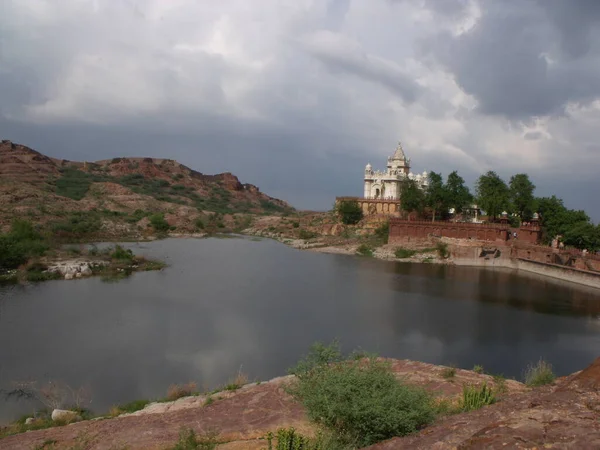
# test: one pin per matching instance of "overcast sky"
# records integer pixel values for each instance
(296, 96)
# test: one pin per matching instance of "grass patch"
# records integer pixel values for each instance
(236, 382)
(402, 253)
(306, 234)
(188, 440)
(364, 250)
(290, 439)
(475, 397)
(38, 276)
(74, 183)
(500, 382)
(130, 407)
(448, 372)
(477, 368)
(539, 374)
(177, 391)
(361, 401)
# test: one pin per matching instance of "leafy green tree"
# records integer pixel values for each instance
(583, 235)
(557, 219)
(458, 194)
(411, 196)
(521, 195)
(436, 196)
(349, 212)
(492, 194)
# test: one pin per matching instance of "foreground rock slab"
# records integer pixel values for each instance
(562, 416)
(565, 415)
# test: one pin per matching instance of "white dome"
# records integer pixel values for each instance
(368, 166)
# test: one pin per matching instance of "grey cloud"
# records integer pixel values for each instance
(501, 60)
(577, 21)
(346, 57)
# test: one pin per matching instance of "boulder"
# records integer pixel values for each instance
(86, 271)
(29, 421)
(68, 276)
(64, 415)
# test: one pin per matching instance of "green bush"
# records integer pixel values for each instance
(477, 397)
(449, 372)
(189, 441)
(349, 212)
(137, 215)
(477, 368)
(35, 276)
(20, 244)
(199, 223)
(362, 401)
(295, 224)
(159, 223)
(383, 231)
(401, 253)
(78, 223)
(442, 249)
(364, 250)
(306, 234)
(539, 374)
(122, 254)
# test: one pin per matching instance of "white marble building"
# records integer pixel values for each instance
(385, 185)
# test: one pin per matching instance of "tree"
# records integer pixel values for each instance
(349, 211)
(492, 194)
(458, 194)
(559, 220)
(583, 235)
(411, 196)
(436, 197)
(521, 195)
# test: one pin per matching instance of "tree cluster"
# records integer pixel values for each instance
(439, 197)
(494, 196)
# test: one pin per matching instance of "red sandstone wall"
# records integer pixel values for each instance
(402, 230)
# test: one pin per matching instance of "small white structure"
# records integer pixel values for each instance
(386, 185)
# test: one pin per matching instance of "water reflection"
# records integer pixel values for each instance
(223, 304)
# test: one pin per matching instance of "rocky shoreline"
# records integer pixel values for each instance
(562, 415)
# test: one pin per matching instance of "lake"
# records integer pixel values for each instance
(228, 304)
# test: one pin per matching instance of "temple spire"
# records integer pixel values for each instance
(399, 153)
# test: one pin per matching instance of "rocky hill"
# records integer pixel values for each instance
(118, 195)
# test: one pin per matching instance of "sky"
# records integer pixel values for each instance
(297, 96)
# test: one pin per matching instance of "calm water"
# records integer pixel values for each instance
(230, 303)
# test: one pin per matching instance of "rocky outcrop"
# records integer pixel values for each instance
(562, 416)
(21, 163)
(242, 418)
(565, 415)
(75, 268)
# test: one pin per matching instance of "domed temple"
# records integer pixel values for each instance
(385, 185)
(382, 189)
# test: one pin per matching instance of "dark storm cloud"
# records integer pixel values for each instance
(526, 58)
(296, 97)
(346, 57)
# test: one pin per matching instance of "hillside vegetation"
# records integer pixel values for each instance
(123, 196)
